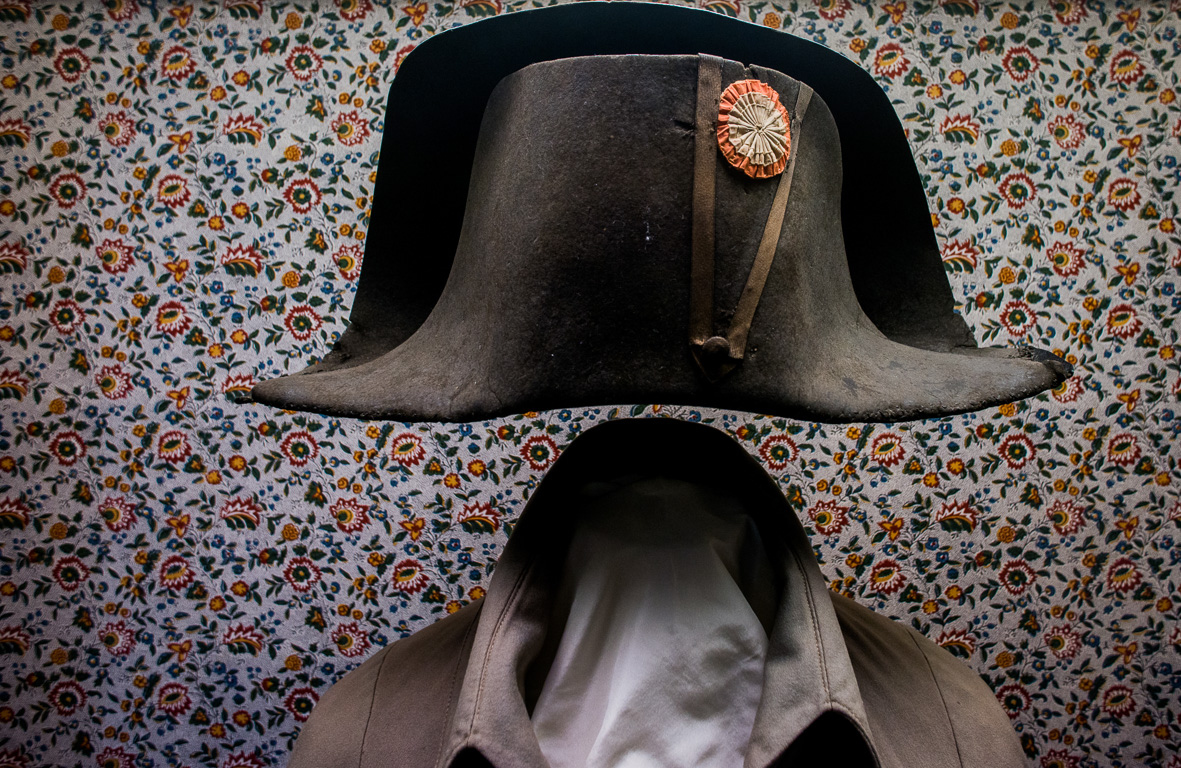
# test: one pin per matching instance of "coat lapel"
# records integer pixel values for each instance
(808, 677)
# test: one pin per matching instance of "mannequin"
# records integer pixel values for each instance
(497, 683)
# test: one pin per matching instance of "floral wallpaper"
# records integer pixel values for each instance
(184, 195)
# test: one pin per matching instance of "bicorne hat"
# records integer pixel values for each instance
(650, 228)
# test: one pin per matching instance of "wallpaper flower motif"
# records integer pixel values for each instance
(184, 194)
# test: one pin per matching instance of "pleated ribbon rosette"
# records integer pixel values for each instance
(753, 131)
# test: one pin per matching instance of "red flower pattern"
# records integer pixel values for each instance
(350, 514)
(1016, 577)
(172, 191)
(303, 62)
(118, 129)
(1126, 67)
(1020, 62)
(299, 447)
(177, 63)
(828, 517)
(778, 451)
(1123, 322)
(174, 699)
(1090, 246)
(71, 64)
(350, 128)
(350, 640)
(1066, 259)
(409, 577)
(113, 382)
(175, 573)
(70, 573)
(68, 189)
(1018, 189)
(406, 449)
(68, 447)
(540, 451)
(887, 449)
(173, 447)
(302, 195)
(67, 697)
(301, 574)
(118, 514)
(302, 321)
(890, 61)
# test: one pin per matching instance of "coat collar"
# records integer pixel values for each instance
(807, 673)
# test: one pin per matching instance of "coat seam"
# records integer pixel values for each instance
(512, 598)
(942, 700)
(451, 687)
(369, 714)
(815, 629)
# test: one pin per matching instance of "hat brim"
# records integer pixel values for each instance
(547, 307)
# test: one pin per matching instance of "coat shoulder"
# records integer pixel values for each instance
(925, 706)
(352, 725)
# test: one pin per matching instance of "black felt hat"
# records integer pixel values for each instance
(570, 284)
(419, 196)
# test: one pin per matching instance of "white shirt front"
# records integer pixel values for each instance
(665, 597)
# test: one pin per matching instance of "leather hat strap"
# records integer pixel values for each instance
(701, 300)
(717, 355)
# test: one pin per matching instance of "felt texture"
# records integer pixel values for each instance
(893, 254)
(571, 283)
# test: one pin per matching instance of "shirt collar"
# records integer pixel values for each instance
(807, 674)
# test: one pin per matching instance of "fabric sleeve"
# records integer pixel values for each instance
(394, 709)
(334, 734)
(983, 731)
(926, 708)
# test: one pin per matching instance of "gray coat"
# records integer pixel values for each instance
(841, 684)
